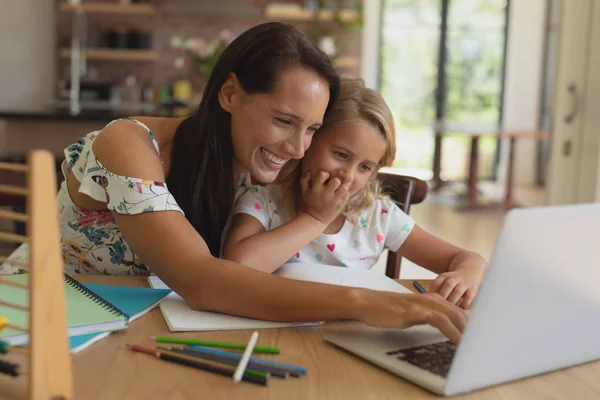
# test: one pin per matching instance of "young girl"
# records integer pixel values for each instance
(328, 210)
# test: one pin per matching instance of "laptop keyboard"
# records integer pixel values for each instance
(435, 358)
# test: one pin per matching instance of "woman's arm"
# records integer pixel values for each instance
(181, 259)
(461, 271)
(173, 250)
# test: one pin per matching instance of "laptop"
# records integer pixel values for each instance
(538, 310)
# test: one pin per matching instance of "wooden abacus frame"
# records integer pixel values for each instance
(49, 373)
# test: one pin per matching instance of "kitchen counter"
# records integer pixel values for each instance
(54, 128)
(91, 115)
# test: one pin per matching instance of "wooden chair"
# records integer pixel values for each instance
(47, 374)
(404, 191)
(14, 201)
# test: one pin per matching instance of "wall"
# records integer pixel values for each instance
(523, 80)
(27, 52)
(575, 175)
(588, 189)
(370, 39)
(29, 70)
(191, 18)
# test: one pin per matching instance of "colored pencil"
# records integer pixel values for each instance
(419, 287)
(293, 369)
(274, 371)
(239, 372)
(205, 366)
(217, 363)
(210, 343)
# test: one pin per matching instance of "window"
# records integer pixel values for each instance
(443, 60)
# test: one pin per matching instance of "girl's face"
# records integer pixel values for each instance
(269, 129)
(351, 152)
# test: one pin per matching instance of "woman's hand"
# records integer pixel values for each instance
(323, 200)
(460, 285)
(393, 310)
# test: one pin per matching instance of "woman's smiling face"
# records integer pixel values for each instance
(269, 129)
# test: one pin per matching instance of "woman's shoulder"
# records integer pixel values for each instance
(127, 147)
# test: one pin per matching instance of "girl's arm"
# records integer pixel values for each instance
(249, 244)
(436, 254)
(460, 271)
(173, 250)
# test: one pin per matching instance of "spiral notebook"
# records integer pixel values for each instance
(87, 312)
(134, 301)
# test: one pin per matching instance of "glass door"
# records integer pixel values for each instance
(443, 60)
(409, 69)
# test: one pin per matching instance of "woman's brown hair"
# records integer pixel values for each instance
(201, 172)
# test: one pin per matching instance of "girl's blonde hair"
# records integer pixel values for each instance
(355, 104)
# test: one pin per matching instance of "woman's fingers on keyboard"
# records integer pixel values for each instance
(439, 320)
(454, 313)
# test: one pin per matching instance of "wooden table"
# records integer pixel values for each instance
(107, 370)
(471, 201)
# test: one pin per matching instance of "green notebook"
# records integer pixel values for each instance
(87, 312)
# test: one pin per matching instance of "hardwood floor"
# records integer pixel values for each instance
(473, 230)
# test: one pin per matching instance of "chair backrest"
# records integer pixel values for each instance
(48, 373)
(404, 191)
(15, 179)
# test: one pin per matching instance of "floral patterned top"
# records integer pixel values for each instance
(91, 240)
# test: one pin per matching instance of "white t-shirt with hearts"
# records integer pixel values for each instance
(384, 226)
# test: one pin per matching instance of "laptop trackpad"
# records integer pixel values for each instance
(379, 341)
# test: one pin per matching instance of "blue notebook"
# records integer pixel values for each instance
(133, 301)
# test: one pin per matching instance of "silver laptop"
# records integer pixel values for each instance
(538, 310)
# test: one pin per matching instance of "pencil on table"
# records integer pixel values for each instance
(294, 370)
(215, 363)
(274, 371)
(194, 363)
(419, 287)
(239, 372)
(211, 343)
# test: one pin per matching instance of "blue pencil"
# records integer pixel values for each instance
(291, 367)
(274, 371)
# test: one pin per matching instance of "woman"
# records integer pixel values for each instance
(155, 193)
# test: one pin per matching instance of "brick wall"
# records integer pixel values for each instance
(194, 18)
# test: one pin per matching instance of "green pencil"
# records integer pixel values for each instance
(209, 343)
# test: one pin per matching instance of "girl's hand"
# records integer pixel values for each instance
(323, 201)
(394, 310)
(459, 286)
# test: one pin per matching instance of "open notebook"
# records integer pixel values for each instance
(87, 312)
(365, 278)
(180, 317)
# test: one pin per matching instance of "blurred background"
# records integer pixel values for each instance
(493, 99)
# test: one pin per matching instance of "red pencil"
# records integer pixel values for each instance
(205, 366)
